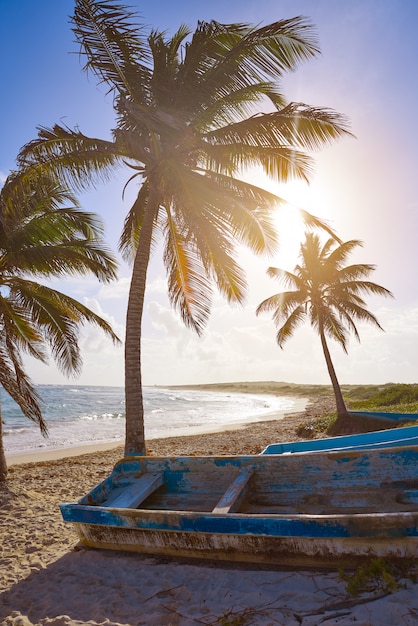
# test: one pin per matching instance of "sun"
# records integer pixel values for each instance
(299, 196)
(290, 229)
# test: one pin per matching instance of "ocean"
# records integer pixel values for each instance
(83, 415)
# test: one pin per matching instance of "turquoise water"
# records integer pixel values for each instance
(80, 415)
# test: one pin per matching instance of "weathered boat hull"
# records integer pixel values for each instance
(299, 510)
(308, 552)
(389, 438)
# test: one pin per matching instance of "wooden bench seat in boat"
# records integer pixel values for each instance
(199, 497)
(233, 496)
(131, 496)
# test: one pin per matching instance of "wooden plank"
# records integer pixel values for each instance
(233, 495)
(130, 497)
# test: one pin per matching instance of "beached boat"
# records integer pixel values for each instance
(389, 438)
(299, 510)
(386, 417)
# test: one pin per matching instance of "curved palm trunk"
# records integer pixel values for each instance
(3, 463)
(341, 408)
(135, 435)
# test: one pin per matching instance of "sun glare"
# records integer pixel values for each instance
(290, 229)
(289, 223)
(288, 220)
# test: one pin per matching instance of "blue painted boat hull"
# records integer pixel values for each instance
(299, 510)
(386, 417)
(389, 438)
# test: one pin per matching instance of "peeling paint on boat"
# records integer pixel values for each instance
(297, 509)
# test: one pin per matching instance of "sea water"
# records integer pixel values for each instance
(82, 415)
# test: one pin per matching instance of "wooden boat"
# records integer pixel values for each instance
(386, 417)
(298, 510)
(389, 438)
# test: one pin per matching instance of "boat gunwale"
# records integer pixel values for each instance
(245, 515)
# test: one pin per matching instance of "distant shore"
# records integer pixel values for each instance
(261, 387)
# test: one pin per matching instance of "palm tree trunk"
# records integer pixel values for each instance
(3, 463)
(134, 406)
(339, 400)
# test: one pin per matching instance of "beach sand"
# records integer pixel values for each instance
(47, 578)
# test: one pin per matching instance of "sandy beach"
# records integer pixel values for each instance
(47, 578)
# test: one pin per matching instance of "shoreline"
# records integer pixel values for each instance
(58, 454)
(257, 389)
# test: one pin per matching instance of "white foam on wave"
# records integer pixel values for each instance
(167, 413)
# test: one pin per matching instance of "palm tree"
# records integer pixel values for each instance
(328, 293)
(189, 121)
(40, 238)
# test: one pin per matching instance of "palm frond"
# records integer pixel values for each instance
(19, 328)
(188, 287)
(332, 327)
(58, 317)
(286, 277)
(129, 238)
(115, 49)
(311, 221)
(26, 193)
(296, 125)
(239, 55)
(242, 210)
(58, 242)
(225, 103)
(80, 162)
(211, 238)
(287, 330)
(280, 163)
(166, 63)
(361, 314)
(281, 304)
(18, 385)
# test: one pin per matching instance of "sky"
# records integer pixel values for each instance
(363, 186)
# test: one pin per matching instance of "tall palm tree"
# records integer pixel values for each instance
(189, 121)
(39, 238)
(328, 293)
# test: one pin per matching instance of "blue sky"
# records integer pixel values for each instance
(365, 187)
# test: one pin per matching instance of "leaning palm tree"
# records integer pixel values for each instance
(189, 121)
(328, 293)
(39, 238)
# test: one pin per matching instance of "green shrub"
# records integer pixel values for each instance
(399, 395)
(378, 575)
(319, 426)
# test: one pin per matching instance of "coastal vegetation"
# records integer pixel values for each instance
(329, 294)
(193, 112)
(400, 398)
(43, 234)
(390, 398)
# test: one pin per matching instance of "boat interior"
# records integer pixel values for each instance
(335, 483)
